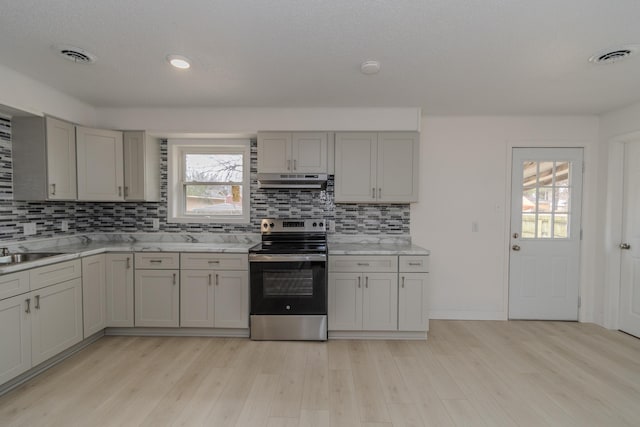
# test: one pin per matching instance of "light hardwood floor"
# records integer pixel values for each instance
(467, 373)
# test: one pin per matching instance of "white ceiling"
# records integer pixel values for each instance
(445, 56)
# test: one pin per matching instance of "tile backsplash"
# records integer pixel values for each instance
(84, 217)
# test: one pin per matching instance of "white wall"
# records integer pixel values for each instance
(23, 93)
(178, 121)
(465, 167)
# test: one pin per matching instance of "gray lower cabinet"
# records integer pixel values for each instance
(157, 297)
(94, 293)
(119, 289)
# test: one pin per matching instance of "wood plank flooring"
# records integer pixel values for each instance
(467, 374)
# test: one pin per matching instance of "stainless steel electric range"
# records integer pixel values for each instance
(288, 281)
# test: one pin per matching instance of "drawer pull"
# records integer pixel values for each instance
(155, 261)
(415, 264)
(365, 264)
(214, 262)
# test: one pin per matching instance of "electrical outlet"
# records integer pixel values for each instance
(29, 228)
(156, 223)
(64, 225)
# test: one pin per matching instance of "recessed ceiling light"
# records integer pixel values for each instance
(370, 67)
(179, 61)
(75, 54)
(610, 56)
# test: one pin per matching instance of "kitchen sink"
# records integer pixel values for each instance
(26, 257)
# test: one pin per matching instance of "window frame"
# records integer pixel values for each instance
(177, 149)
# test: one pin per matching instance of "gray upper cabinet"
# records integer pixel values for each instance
(141, 167)
(44, 159)
(100, 165)
(376, 167)
(293, 152)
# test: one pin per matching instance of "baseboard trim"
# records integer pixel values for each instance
(180, 332)
(47, 364)
(377, 335)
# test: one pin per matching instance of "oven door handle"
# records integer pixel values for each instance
(286, 257)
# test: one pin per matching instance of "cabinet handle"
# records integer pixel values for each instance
(366, 264)
(155, 261)
(126, 191)
(217, 280)
(288, 165)
(119, 190)
(294, 165)
(28, 309)
(359, 279)
(373, 193)
(415, 264)
(37, 302)
(128, 263)
(403, 281)
(366, 282)
(53, 189)
(214, 262)
(174, 278)
(380, 193)
(209, 279)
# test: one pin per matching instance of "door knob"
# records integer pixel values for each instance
(625, 246)
(515, 247)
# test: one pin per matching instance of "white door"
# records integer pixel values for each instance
(546, 202)
(157, 298)
(61, 160)
(630, 274)
(380, 302)
(345, 301)
(309, 152)
(15, 336)
(412, 302)
(134, 165)
(356, 161)
(274, 152)
(397, 176)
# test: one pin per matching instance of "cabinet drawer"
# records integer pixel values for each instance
(55, 273)
(363, 264)
(214, 261)
(14, 284)
(414, 263)
(157, 260)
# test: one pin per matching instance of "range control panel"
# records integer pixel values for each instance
(272, 225)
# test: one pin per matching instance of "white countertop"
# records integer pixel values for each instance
(376, 249)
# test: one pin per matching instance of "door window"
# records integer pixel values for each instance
(546, 195)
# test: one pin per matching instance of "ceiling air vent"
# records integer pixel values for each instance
(75, 54)
(610, 56)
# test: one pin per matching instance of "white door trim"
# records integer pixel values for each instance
(587, 299)
(613, 227)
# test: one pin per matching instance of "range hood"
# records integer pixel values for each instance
(292, 180)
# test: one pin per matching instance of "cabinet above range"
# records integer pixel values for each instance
(55, 160)
(294, 152)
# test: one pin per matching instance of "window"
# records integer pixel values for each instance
(208, 181)
(546, 192)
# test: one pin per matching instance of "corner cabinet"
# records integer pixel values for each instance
(377, 167)
(293, 152)
(44, 159)
(94, 294)
(119, 289)
(100, 165)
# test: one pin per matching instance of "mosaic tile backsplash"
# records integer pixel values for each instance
(85, 217)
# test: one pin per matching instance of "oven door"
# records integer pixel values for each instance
(288, 284)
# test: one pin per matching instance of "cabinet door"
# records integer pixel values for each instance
(309, 151)
(119, 287)
(15, 336)
(100, 165)
(134, 165)
(397, 167)
(196, 298)
(157, 295)
(274, 152)
(56, 322)
(355, 174)
(61, 160)
(380, 302)
(413, 314)
(345, 301)
(94, 294)
(231, 299)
